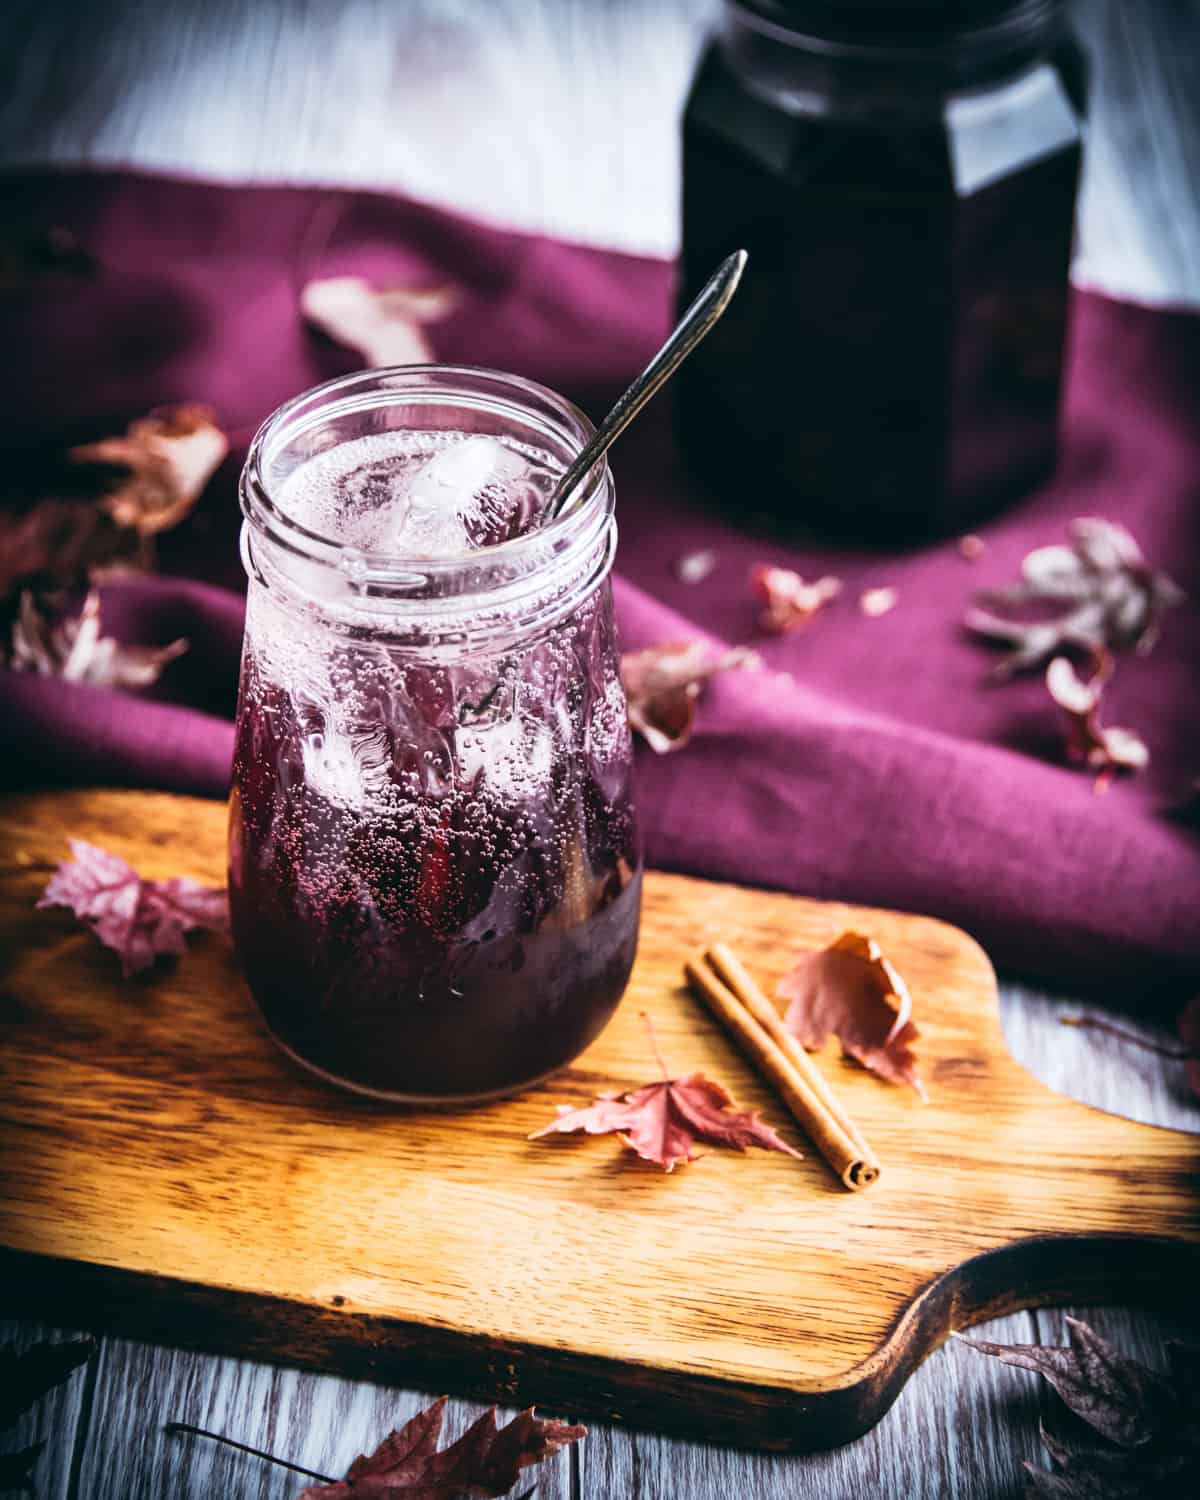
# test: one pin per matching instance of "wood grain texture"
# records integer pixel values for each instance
(1097, 1069)
(1139, 215)
(945, 1435)
(961, 1428)
(59, 1419)
(165, 1162)
(557, 116)
(314, 1420)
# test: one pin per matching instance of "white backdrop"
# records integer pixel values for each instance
(555, 115)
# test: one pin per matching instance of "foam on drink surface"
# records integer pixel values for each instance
(382, 732)
(422, 494)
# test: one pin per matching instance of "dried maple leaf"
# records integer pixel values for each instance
(851, 990)
(1150, 1422)
(663, 683)
(1095, 1473)
(385, 327)
(74, 649)
(16, 1469)
(1105, 592)
(27, 1375)
(1105, 751)
(789, 602)
(138, 919)
(56, 544)
(486, 1460)
(75, 527)
(876, 602)
(1111, 1393)
(695, 567)
(168, 458)
(663, 1121)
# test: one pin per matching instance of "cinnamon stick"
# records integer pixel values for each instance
(731, 969)
(845, 1152)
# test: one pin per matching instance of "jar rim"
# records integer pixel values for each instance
(532, 575)
(1001, 40)
(338, 396)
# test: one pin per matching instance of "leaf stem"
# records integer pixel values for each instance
(1110, 1028)
(174, 1429)
(654, 1045)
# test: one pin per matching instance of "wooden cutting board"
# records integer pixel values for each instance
(167, 1173)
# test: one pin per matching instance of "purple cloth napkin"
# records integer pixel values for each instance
(878, 769)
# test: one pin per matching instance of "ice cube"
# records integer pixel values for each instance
(468, 495)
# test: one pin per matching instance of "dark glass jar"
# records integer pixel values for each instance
(904, 177)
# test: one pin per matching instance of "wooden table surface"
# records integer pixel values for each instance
(559, 114)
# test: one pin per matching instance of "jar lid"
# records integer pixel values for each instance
(872, 26)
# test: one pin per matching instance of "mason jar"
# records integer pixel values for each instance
(903, 174)
(434, 868)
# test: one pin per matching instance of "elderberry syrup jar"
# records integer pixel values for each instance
(903, 174)
(435, 869)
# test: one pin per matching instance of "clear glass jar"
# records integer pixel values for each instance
(435, 869)
(904, 177)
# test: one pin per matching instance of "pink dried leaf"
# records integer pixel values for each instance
(695, 567)
(851, 990)
(789, 602)
(663, 1121)
(385, 326)
(58, 544)
(1104, 594)
(876, 602)
(75, 650)
(140, 920)
(1105, 751)
(484, 1461)
(168, 459)
(663, 684)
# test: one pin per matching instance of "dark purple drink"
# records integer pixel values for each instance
(434, 863)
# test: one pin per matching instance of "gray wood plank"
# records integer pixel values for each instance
(1141, 1335)
(551, 115)
(318, 1421)
(961, 1427)
(1137, 211)
(60, 1417)
(1094, 1068)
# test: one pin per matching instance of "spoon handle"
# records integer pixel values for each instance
(691, 328)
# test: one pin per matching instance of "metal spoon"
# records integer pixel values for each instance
(687, 333)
